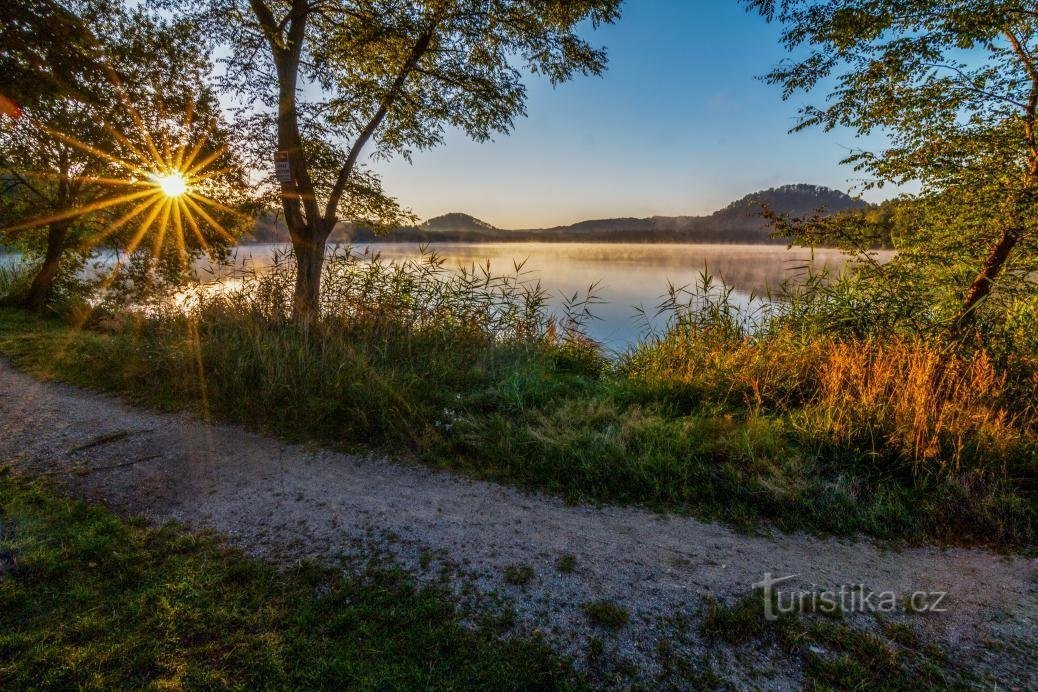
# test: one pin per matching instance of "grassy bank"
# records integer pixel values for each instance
(897, 438)
(87, 600)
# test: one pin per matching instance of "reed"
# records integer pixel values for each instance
(744, 413)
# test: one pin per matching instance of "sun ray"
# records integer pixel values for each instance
(125, 141)
(160, 234)
(167, 152)
(96, 179)
(137, 120)
(189, 159)
(209, 219)
(193, 225)
(218, 205)
(135, 242)
(196, 343)
(111, 228)
(78, 211)
(206, 161)
(189, 118)
(178, 231)
(92, 150)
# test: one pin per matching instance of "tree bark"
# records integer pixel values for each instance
(42, 288)
(999, 254)
(298, 200)
(309, 252)
(307, 226)
(981, 287)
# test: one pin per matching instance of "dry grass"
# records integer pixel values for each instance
(911, 399)
(917, 400)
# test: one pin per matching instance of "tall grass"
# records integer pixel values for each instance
(904, 400)
(412, 296)
(736, 412)
(14, 281)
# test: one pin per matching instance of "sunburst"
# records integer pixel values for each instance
(172, 183)
(162, 190)
(162, 186)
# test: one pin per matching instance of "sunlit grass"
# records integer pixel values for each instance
(894, 438)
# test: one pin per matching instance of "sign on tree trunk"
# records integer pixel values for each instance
(282, 168)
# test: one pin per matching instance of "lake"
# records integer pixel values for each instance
(629, 276)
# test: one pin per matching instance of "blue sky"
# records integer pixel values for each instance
(677, 125)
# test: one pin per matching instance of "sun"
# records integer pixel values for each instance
(172, 184)
(161, 190)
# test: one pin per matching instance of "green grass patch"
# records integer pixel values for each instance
(518, 575)
(834, 654)
(556, 416)
(606, 614)
(89, 600)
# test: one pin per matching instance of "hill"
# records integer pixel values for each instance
(795, 200)
(457, 222)
(739, 222)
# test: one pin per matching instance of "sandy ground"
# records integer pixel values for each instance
(286, 502)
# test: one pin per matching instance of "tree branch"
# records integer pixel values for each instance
(420, 48)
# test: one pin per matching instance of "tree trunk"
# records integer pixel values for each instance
(42, 287)
(309, 252)
(985, 280)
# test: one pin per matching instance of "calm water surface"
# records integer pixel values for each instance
(629, 276)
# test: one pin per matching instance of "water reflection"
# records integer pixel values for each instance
(628, 276)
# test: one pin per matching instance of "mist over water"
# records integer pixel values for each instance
(628, 276)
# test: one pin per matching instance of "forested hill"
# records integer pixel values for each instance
(795, 200)
(457, 222)
(739, 222)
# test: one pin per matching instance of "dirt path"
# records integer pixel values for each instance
(282, 501)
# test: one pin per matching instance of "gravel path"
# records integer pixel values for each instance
(284, 502)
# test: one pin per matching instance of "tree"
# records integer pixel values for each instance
(82, 173)
(47, 49)
(335, 77)
(953, 85)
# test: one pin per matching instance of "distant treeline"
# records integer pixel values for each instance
(741, 222)
(706, 234)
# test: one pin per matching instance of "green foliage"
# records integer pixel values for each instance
(75, 167)
(518, 575)
(800, 428)
(14, 281)
(606, 614)
(93, 601)
(953, 87)
(48, 50)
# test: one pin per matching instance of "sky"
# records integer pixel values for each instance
(679, 124)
